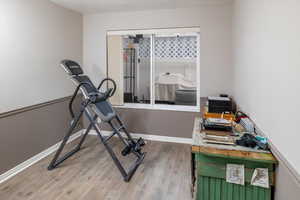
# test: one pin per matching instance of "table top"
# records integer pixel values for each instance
(227, 151)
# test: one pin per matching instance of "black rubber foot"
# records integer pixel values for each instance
(126, 150)
(141, 142)
(50, 168)
(136, 147)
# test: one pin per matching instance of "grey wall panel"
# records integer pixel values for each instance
(156, 122)
(159, 122)
(28, 133)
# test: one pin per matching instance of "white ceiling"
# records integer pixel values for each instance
(99, 6)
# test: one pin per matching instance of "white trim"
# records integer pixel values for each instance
(156, 31)
(198, 71)
(152, 72)
(150, 137)
(137, 64)
(24, 165)
(180, 108)
(177, 34)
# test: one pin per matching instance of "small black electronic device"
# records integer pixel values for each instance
(224, 95)
(219, 104)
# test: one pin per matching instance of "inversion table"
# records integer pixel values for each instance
(95, 105)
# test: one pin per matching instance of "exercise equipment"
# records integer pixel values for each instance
(95, 105)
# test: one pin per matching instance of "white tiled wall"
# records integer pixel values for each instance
(168, 47)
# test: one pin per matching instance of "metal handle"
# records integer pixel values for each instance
(73, 98)
(111, 91)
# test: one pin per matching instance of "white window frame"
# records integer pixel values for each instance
(167, 31)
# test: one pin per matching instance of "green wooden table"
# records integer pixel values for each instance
(209, 170)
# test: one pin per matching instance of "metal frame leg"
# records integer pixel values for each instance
(117, 131)
(129, 137)
(86, 133)
(126, 175)
(125, 130)
(55, 161)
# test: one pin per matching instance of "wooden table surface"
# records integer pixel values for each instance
(227, 151)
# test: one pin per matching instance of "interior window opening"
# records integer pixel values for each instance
(158, 68)
(136, 62)
(175, 69)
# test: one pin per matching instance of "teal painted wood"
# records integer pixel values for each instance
(212, 188)
(261, 194)
(206, 188)
(224, 190)
(236, 191)
(218, 189)
(255, 193)
(230, 191)
(242, 193)
(224, 161)
(215, 188)
(268, 194)
(201, 188)
(248, 193)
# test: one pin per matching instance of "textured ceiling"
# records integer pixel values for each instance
(99, 6)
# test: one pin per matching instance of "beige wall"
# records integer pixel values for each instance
(266, 77)
(216, 42)
(35, 36)
(115, 72)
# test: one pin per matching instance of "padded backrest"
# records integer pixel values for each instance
(88, 88)
(102, 108)
(71, 67)
(74, 69)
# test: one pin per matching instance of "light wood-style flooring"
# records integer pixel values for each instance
(91, 175)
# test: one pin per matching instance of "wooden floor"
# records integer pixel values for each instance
(90, 174)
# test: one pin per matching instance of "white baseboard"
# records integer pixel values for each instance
(151, 137)
(19, 168)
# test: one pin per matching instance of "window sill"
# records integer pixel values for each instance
(160, 107)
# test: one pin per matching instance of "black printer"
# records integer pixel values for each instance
(219, 104)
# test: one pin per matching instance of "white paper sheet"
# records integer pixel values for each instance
(260, 177)
(235, 174)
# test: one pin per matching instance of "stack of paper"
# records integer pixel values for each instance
(214, 139)
(218, 121)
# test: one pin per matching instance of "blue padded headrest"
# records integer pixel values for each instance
(71, 67)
